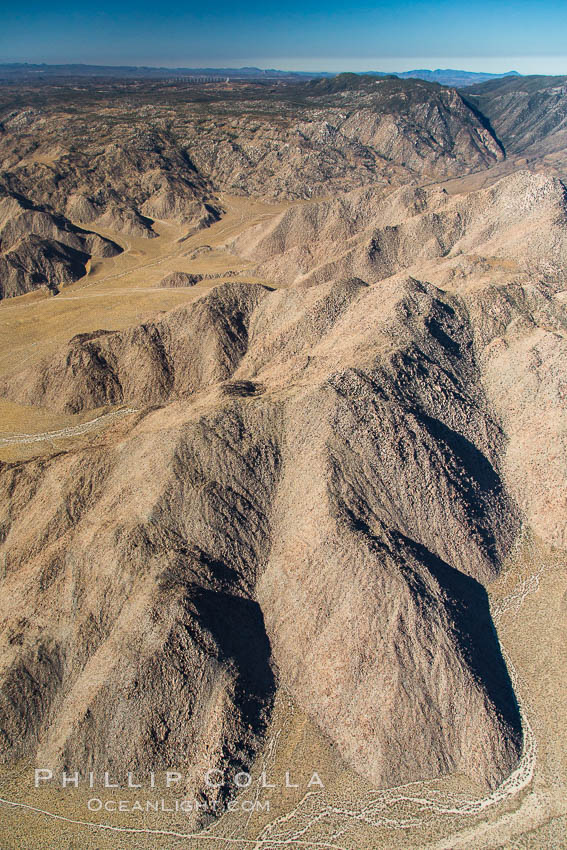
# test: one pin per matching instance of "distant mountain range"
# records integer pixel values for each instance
(451, 77)
(16, 71)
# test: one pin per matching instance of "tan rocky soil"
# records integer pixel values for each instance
(180, 279)
(39, 248)
(302, 504)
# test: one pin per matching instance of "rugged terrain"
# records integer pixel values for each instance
(274, 469)
(122, 158)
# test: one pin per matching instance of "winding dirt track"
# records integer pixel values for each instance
(291, 829)
(73, 431)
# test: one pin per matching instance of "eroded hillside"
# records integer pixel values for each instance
(122, 158)
(292, 486)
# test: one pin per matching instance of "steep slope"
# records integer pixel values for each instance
(144, 646)
(373, 234)
(313, 493)
(523, 111)
(336, 472)
(38, 248)
(529, 115)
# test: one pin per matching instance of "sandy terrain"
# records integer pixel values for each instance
(117, 292)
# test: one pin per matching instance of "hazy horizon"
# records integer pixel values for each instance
(387, 35)
(547, 66)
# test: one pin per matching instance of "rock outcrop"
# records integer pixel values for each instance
(315, 484)
(38, 248)
(374, 234)
(175, 279)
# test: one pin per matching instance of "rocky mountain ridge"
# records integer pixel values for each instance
(137, 163)
(317, 475)
(41, 248)
(328, 470)
(374, 234)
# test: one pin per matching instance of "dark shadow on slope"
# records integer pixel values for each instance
(474, 461)
(237, 627)
(467, 604)
(481, 488)
(442, 337)
(483, 119)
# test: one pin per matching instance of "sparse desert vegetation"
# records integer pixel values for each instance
(282, 380)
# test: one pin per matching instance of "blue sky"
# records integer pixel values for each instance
(527, 36)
